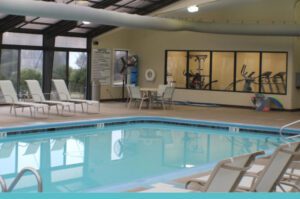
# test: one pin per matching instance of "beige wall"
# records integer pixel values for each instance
(150, 46)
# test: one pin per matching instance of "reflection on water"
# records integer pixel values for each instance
(81, 159)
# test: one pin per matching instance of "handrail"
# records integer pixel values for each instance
(21, 174)
(287, 125)
(3, 185)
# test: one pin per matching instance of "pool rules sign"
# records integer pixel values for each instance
(101, 66)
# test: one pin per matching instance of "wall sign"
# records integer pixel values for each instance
(101, 66)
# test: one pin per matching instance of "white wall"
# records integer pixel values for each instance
(150, 46)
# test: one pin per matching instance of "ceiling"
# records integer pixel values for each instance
(54, 27)
(234, 11)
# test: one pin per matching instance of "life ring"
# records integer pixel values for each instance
(150, 75)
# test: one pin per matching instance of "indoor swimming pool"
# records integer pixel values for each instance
(121, 156)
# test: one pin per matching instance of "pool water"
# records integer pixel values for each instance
(121, 156)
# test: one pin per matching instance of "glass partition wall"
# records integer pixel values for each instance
(24, 60)
(231, 71)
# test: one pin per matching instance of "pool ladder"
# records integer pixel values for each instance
(36, 174)
(288, 125)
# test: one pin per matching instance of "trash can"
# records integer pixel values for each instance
(96, 90)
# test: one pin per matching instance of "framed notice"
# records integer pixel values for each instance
(101, 66)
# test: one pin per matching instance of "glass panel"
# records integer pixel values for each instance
(247, 72)
(60, 65)
(222, 70)
(9, 65)
(7, 158)
(77, 74)
(29, 155)
(118, 66)
(74, 151)
(31, 67)
(273, 77)
(70, 42)
(57, 147)
(176, 68)
(199, 70)
(22, 39)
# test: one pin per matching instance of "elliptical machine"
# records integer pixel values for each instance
(248, 80)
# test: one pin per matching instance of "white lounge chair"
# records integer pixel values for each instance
(270, 177)
(226, 175)
(10, 97)
(37, 95)
(64, 95)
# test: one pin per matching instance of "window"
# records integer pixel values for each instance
(31, 67)
(240, 71)
(9, 65)
(119, 57)
(22, 39)
(247, 72)
(177, 68)
(199, 70)
(77, 74)
(273, 76)
(70, 42)
(60, 65)
(222, 70)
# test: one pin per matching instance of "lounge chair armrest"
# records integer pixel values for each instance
(12, 99)
(290, 152)
(290, 185)
(230, 167)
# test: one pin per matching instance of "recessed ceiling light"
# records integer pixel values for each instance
(86, 22)
(193, 8)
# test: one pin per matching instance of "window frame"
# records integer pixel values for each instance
(235, 68)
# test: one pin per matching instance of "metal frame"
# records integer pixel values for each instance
(235, 68)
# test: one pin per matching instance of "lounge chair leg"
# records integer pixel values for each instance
(69, 107)
(43, 110)
(15, 110)
(87, 108)
(163, 104)
(82, 107)
(129, 103)
(57, 109)
(99, 107)
(10, 110)
(74, 108)
(62, 109)
(141, 104)
(30, 111)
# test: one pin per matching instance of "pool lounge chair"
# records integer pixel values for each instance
(226, 175)
(10, 97)
(271, 176)
(64, 95)
(37, 95)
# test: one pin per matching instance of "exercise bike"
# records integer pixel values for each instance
(197, 80)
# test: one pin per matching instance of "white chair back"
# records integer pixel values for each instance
(128, 87)
(35, 90)
(61, 89)
(168, 93)
(161, 89)
(8, 91)
(135, 92)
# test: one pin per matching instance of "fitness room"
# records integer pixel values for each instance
(149, 96)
